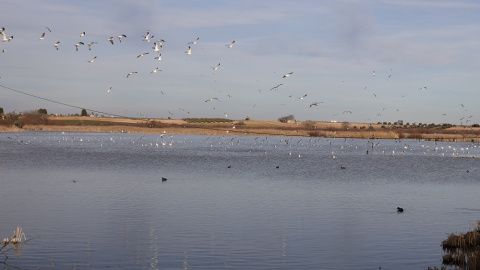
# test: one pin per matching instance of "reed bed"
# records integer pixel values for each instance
(463, 250)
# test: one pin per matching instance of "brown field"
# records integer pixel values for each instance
(249, 127)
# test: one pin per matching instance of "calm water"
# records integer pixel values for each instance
(306, 214)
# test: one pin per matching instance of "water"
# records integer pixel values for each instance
(306, 214)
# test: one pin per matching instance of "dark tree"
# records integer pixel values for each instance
(84, 112)
(42, 111)
(1, 110)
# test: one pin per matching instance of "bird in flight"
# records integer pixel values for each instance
(287, 75)
(211, 99)
(78, 44)
(194, 42)
(147, 38)
(90, 45)
(140, 55)
(189, 50)
(230, 45)
(109, 90)
(82, 34)
(216, 68)
(304, 96)
(156, 47)
(120, 37)
(111, 40)
(423, 88)
(315, 104)
(42, 37)
(93, 59)
(155, 70)
(56, 45)
(373, 73)
(130, 73)
(159, 57)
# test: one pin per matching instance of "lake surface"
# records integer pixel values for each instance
(96, 201)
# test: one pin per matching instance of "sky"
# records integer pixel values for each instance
(362, 61)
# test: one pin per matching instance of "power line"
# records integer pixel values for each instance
(61, 103)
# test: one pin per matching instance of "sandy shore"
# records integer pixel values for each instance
(251, 128)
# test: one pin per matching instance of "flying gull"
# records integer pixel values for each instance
(78, 44)
(111, 40)
(130, 73)
(230, 45)
(287, 75)
(56, 45)
(189, 50)
(120, 37)
(194, 42)
(211, 99)
(90, 45)
(42, 37)
(93, 59)
(155, 70)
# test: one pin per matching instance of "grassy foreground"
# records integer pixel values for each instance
(206, 126)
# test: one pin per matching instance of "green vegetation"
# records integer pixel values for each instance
(84, 112)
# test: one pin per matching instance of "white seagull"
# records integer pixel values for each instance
(216, 68)
(78, 44)
(90, 45)
(120, 37)
(211, 99)
(56, 45)
(140, 55)
(147, 38)
(189, 50)
(82, 34)
(287, 75)
(230, 45)
(130, 73)
(155, 70)
(43, 36)
(109, 90)
(373, 74)
(159, 57)
(302, 97)
(155, 47)
(194, 42)
(93, 59)
(110, 39)
(315, 104)
(423, 88)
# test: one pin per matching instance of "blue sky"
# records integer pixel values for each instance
(332, 48)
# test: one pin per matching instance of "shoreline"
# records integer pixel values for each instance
(249, 128)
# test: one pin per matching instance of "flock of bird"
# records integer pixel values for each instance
(156, 51)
